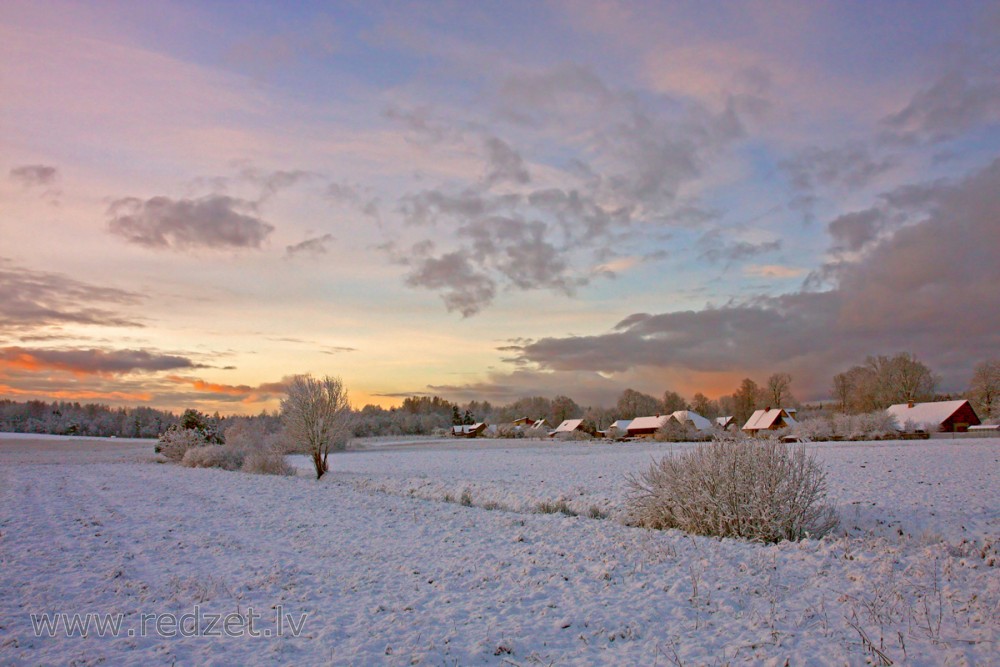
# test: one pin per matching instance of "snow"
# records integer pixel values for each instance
(390, 573)
(696, 420)
(924, 413)
(568, 426)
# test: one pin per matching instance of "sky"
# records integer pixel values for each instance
(492, 200)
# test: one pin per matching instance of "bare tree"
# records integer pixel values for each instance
(745, 401)
(843, 390)
(777, 393)
(317, 416)
(672, 402)
(901, 379)
(984, 390)
(705, 406)
(632, 404)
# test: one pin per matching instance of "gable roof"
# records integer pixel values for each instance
(621, 424)
(645, 423)
(699, 422)
(568, 425)
(765, 419)
(724, 421)
(936, 412)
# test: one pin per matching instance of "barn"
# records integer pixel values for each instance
(946, 416)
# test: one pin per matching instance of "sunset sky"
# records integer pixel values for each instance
(487, 200)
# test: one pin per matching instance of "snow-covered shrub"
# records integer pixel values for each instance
(263, 462)
(674, 431)
(280, 442)
(509, 431)
(815, 428)
(535, 432)
(615, 433)
(214, 456)
(246, 434)
(174, 443)
(573, 436)
(758, 489)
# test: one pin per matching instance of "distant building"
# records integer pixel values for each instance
(567, 426)
(468, 430)
(647, 426)
(725, 423)
(692, 418)
(949, 416)
(768, 419)
(621, 426)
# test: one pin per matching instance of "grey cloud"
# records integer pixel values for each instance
(928, 288)
(215, 221)
(466, 289)
(430, 206)
(649, 148)
(422, 124)
(717, 247)
(955, 103)
(584, 387)
(636, 155)
(271, 182)
(849, 167)
(31, 175)
(853, 231)
(315, 246)
(504, 164)
(96, 361)
(33, 299)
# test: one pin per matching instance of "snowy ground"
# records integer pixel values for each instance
(389, 573)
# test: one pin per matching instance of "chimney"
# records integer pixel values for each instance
(910, 404)
(767, 409)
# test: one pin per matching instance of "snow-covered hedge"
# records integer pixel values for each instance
(226, 457)
(870, 426)
(175, 443)
(758, 489)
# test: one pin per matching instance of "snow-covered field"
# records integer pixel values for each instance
(387, 572)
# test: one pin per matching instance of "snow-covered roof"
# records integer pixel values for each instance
(568, 425)
(985, 427)
(643, 423)
(699, 422)
(935, 412)
(621, 424)
(765, 419)
(724, 421)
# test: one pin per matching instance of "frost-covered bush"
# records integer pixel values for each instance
(246, 434)
(758, 489)
(816, 428)
(508, 431)
(535, 432)
(573, 436)
(615, 433)
(674, 431)
(174, 443)
(870, 426)
(263, 462)
(226, 457)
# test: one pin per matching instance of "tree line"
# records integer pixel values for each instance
(873, 385)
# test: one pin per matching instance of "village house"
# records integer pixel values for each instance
(648, 426)
(468, 430)
(568, 426)
(948, 416)
(725, 423)
(768, 419)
